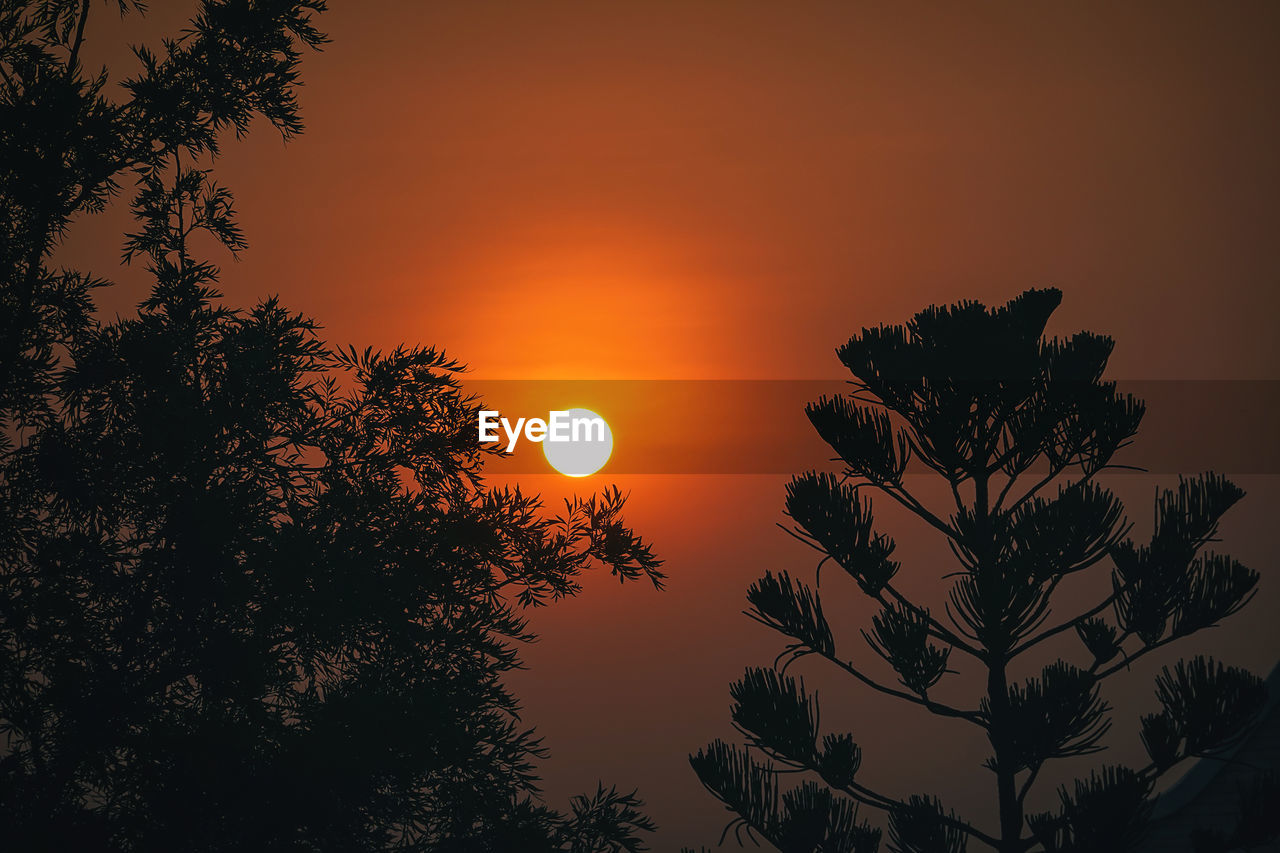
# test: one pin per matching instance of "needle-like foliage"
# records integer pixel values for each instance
(1017, 427)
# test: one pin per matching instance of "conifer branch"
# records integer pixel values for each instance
(939, 708)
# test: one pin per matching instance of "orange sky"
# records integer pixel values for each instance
(702, 190)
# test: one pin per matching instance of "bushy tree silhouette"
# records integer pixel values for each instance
(254, 594)
(1018, 427)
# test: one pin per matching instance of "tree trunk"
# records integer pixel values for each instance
(1010, 808)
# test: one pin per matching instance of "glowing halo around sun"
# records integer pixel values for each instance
(583, 457)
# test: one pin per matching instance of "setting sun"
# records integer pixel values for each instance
(586, 453)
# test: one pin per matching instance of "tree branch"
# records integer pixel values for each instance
(903, 497)
(870, 798)
(1124, 664)
(1053, 474)
(938, 708)
(936, 628)
(1031, 780)
(1058, 629)
(75, 47)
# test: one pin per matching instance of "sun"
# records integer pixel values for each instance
(586, 454)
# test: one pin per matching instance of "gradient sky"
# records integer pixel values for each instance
(729, 190)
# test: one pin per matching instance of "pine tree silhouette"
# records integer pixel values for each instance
(1018, 426)
(254, 593)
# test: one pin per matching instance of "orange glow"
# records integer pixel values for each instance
(727, 191)
(601, 307)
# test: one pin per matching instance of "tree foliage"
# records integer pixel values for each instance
(1018, 426)
(254, 592)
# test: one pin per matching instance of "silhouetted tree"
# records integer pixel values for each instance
(1018, 427)
(254, 593)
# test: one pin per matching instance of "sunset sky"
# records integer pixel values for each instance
(726, 191)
